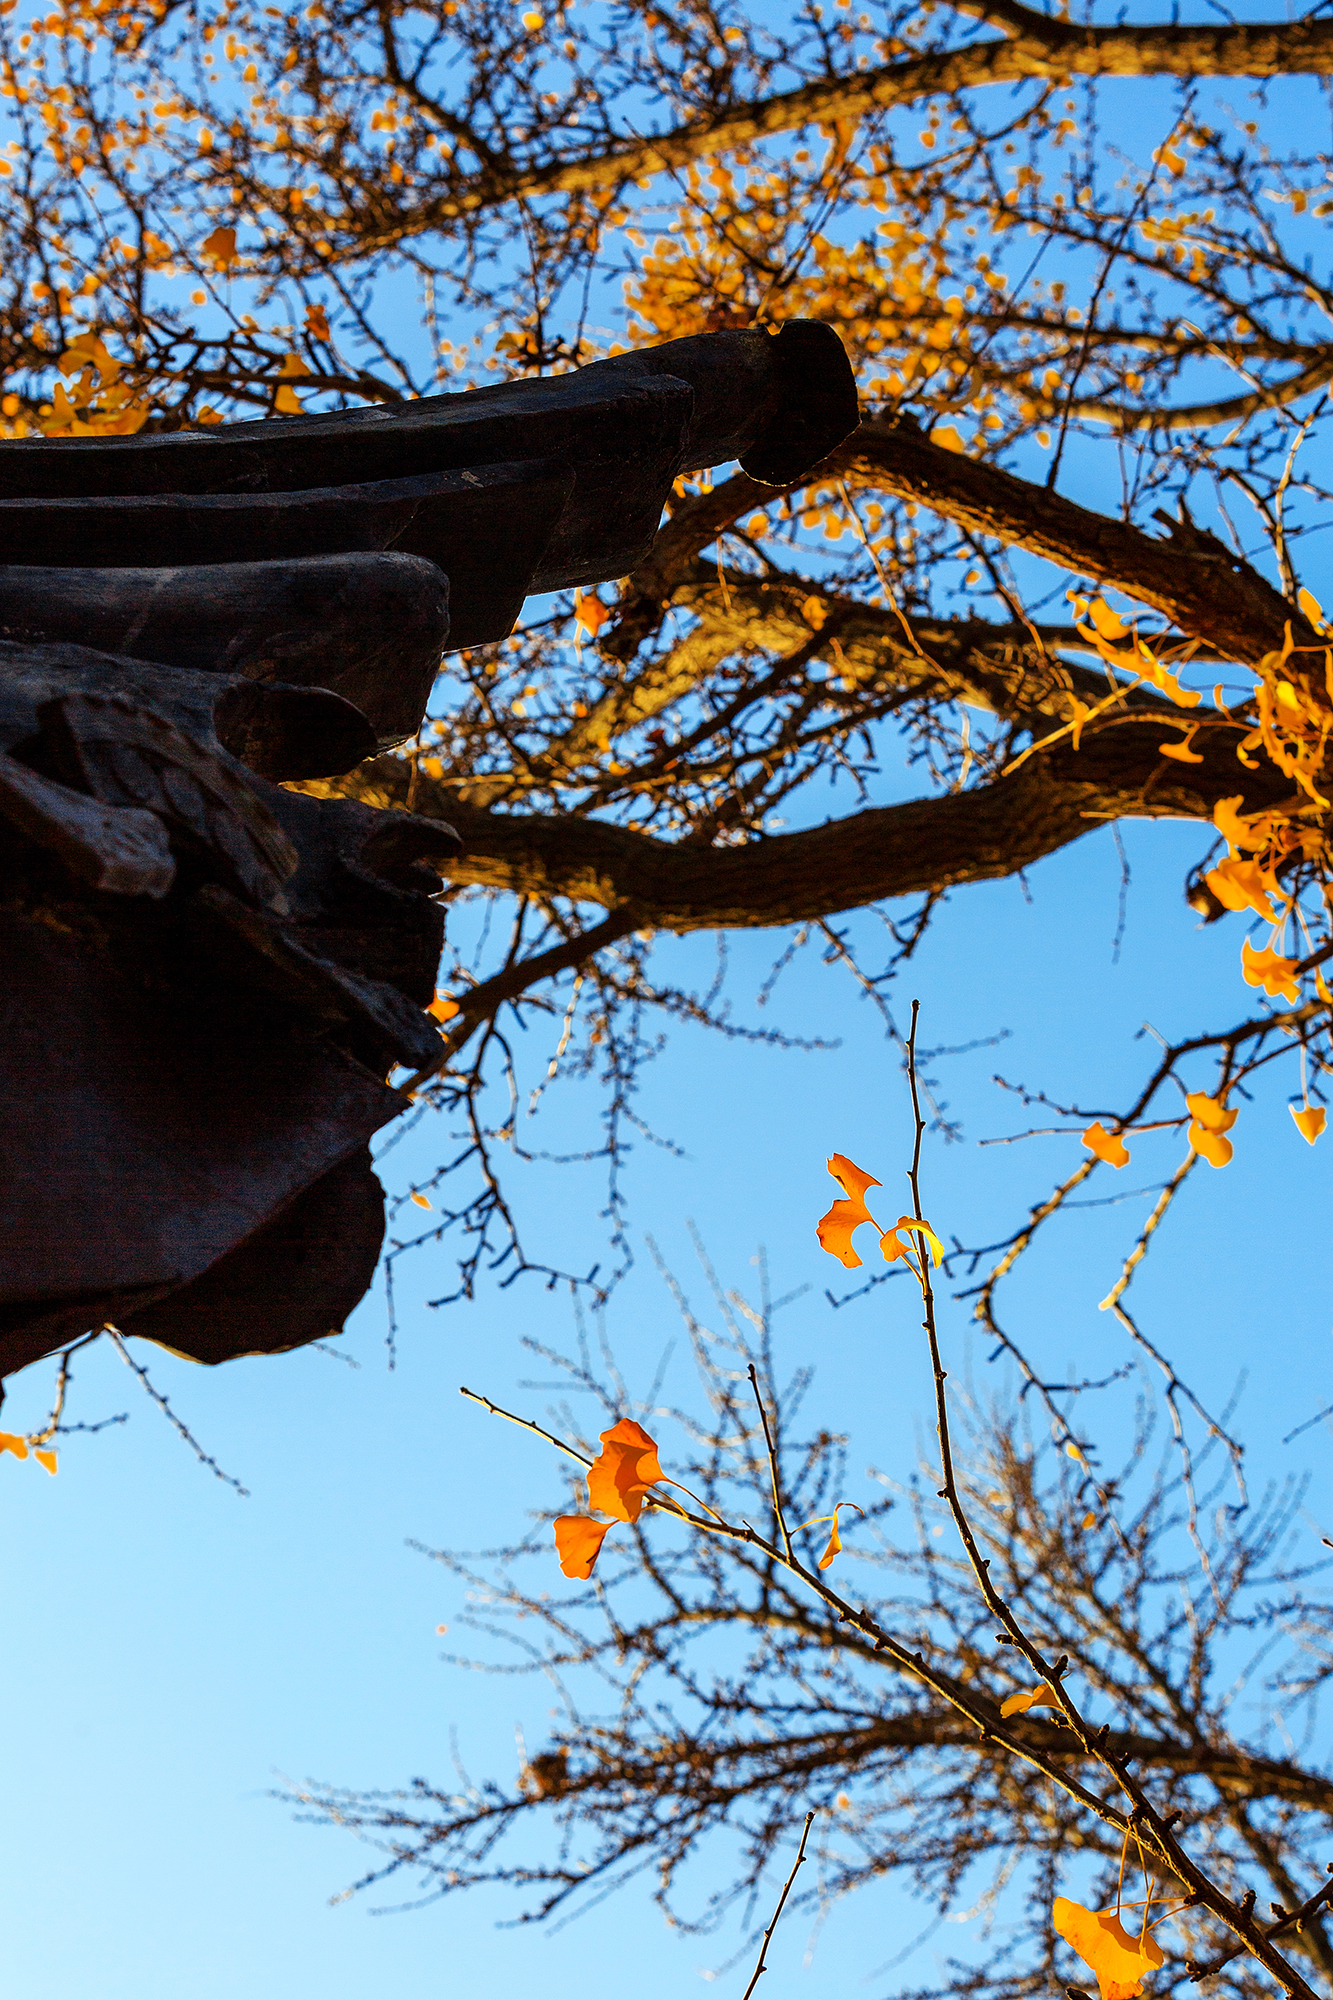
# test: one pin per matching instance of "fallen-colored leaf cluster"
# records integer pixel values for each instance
(19, 1446)
(836, 1229)
(618, 1482)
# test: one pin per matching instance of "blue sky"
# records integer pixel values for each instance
(172, 1651)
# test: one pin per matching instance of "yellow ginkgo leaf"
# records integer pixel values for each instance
(1270, 970)
(1209, 1120)
(11, 1441)
(1088, 1521)
(1311, 606)
(1108, 623)
(1120, 1961)
(834, 1544)
(1043, 1696)
(421, 1201)
(46, 1459)
(1108, 1146)
(893, 1246)
(1309, 1122)
(1239, 884)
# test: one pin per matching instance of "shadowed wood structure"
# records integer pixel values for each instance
(208, 977)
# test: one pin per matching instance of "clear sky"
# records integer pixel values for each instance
(171, 1651)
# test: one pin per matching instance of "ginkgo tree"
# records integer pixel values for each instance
(218, 210)
(1064, 573)
(936, 1706)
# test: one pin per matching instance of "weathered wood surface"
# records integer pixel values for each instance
(208, 977)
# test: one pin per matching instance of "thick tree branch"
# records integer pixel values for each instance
(1036, 47)
(926, 844)
(1187, 574)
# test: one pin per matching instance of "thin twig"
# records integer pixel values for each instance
(205, 1458)
(778, 1514)
(786, 1891)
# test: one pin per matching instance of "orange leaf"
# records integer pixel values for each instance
(1208, 1122)
(442, 1008)
(220, 246)
(1233, 827)
(1088, 1521)
(1109, 623)
(421, 1201)
(835, 1229)
(893, 1246)
(1121, 1962)
(1183, 751)
(1108, 1146)
(1210, 1112)
(578, 1542)
(1270, 970)
(622, 1472)
(317, 323)
(11, 1441)
(1243, 885)
(1211, 1146)
(286, 402)
(591, 613)
(1043, 1696)
(834, 1546)
(46, 1458)
(1310, 1122)
(1321, 986)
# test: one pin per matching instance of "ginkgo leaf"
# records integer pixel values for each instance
(1239, 884)
(622, 1472)
(421, 1201)
(1309, 1122)
(1210, 1112)
(1183, 750)
(833, 1546)
(893, 1246)
(1270, 970)
(220, 246)
(46, 1459)
(1108, 1146)
(1108, 622)
(317, 323)
(835, 1229)
(11, 1441)
(1208, 1121)
(1120, 1961)
(1042, 1696)
(578, 1541)
(1312, 608)
(1088, 1521)
(1210, 1146)
(1321, 986)
(1234, 828)
(442, 1008)
(589, 610)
